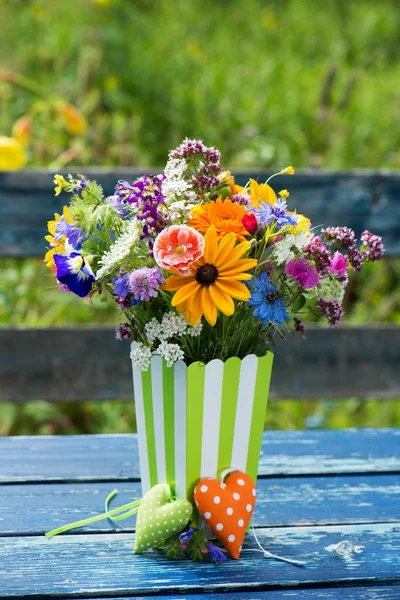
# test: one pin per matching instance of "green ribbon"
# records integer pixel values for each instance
(114, 515)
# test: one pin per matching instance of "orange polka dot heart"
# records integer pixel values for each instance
(227, 508)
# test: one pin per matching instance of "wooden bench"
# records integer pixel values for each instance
(86, 363)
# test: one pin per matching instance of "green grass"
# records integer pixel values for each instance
(272, 83)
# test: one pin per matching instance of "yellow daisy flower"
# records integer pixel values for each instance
(214, 281)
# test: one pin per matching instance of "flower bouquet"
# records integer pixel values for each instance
(206, 274)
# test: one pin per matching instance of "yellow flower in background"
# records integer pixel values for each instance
(288, 171)
(22, 129)
(225, 215)
(57, 243)
(60, 184)
(261, 192)
(215, 279)
(284, 194)
(303, 224)
(12, 154)
(74, 120)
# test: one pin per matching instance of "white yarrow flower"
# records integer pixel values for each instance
(141, 356)
(121, 249)
(170, 352)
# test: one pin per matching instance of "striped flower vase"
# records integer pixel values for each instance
(196, 421)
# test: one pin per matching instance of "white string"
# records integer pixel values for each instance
(266, 553)
(291, 561)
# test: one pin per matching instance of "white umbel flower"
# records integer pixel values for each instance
(171, 325)
(179, 194)
(121, 249)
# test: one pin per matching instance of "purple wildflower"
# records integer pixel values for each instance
(144, 282)
(191, 148)
(242, 199)
(320, 254)
(355, 259)
(121, 285)
(302, 272)
(186, 536)
(80, 187)
(120, 204)
(332, 310)
(73, 234)
(343, 236)
(205, 182)
(216, 554)
(125, 303)
(146, 196)
(123, 331)
(338, 265)
(299, 326)
(268, 213)
(374, 248)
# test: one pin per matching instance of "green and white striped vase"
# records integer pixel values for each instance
(197, 421)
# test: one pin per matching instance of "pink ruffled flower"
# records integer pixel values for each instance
(302, 272)
(177, 247)
(338, 265)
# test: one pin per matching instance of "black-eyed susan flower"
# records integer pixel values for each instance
(215, 280)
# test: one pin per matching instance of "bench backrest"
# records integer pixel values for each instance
(88, 364)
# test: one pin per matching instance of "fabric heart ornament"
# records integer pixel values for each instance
(227, 508)
(160, 517)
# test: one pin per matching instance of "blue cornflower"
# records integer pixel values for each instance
(216, 553)
(267, 213)
(269, 306)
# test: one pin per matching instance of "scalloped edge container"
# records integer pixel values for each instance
(197, 421)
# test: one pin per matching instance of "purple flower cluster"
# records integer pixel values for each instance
(355, 258)
(192, 148)
(320, 255)
(120, 203)
(343, 236)
(332, 310)
(242, 199)
(204, 160)
(374, 248)
(130, 289)
(144, 282)
(145, 194)
(123, 331)
(299, 326)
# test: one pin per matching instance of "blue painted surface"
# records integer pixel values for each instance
(115, 457)
(359, 493)
(36, 508)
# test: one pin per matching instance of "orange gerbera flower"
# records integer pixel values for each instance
(225, 215)
(214, 281)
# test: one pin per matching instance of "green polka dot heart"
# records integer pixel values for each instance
(159, 517)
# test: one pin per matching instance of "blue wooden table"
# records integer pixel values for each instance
(315, 489)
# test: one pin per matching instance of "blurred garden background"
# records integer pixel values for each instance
(93, 83)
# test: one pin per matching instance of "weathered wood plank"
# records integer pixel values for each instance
(295, 501)
(359, 199)
(104, 564)
(115, 457)
(89, 364)
(389, 592)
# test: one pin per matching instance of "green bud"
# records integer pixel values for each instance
(225, 192)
